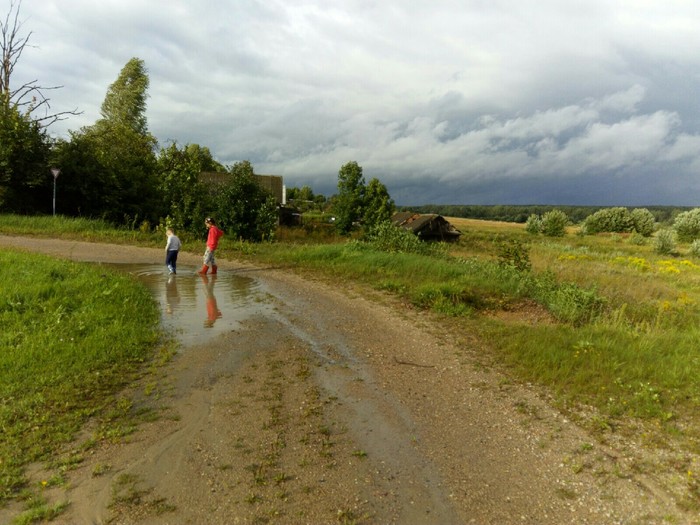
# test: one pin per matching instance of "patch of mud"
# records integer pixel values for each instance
(524, 312)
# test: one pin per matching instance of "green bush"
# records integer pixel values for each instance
(665, 242)
(389, 238)
(687, 225)
(695, 248)
(637, 239)
(644, 221)
(533, 224)
(554, 223)
(613, 220)
(514, 254)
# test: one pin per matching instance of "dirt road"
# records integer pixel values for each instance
(346, 407)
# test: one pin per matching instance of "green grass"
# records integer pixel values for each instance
(72, 336)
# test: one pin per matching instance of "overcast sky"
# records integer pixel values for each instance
(457, 102)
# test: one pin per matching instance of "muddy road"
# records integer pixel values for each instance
(330, 404)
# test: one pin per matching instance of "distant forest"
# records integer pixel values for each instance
(508, 213)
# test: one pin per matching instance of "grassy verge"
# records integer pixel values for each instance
(72, 336)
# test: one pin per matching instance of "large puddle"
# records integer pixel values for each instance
(196, 308)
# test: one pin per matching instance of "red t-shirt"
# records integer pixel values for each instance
(213, 239)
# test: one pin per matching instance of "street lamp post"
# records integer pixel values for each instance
(55, 172)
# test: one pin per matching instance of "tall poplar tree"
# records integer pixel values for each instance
(117, 156)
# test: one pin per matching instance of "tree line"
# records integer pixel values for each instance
(521, 213)
(116, 170)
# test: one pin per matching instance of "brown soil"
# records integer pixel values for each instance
(345, 407)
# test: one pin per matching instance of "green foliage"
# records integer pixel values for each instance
(392, 239)
(695, 248)
(108, 169)
(25, 180)
(687, 225)
(637, 239)
(349, 203)
(665, 242)
(520, 214)
(611, 220)
(514, 254)
(554, 223)
(644, 221)
(359, 204)
(243, 209)
(568, 302)
(125, 101)
(620, 220)
(72, 335)
(304, 199)
(180, 187)
(533, 225)
(378, 206)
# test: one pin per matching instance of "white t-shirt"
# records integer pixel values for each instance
(173, 243)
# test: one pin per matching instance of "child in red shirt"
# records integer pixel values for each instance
(212, 242)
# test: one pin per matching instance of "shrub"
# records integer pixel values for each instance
(644, 221)
(514, 254)
(389, 238)
(613, 220)
(695, 248)
(554, 223)
(665, 242)
(244, 209)
(687, 225)
(637, 239)
(533, 224)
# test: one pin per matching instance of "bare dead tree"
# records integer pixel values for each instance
(29, 97)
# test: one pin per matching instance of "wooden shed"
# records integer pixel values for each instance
(429, 226)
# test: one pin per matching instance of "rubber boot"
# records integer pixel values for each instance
(204, 270)
(213, 269)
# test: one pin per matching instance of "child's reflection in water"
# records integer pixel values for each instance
(213, 312)
(172, 297)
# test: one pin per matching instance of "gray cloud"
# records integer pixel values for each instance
(444, 101)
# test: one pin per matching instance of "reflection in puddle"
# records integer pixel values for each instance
(195, 308)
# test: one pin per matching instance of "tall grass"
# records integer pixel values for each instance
(71, 336)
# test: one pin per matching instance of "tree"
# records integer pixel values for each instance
(180, 187)
(28, 98)
(349, 203)
(24, 153)
(378, 206)
(114, 160)
(687, 225)
(243, 208)
(204, 159)
(125, 101)
(554, 223)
